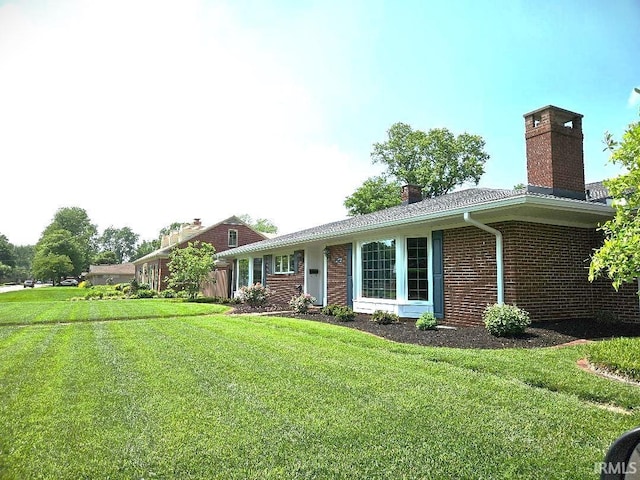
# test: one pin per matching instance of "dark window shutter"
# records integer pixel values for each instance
(267, 260)
(438, 274)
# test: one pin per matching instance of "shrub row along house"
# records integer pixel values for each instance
(455, 254)
(230, 233)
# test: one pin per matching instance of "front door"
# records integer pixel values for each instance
(314, 274)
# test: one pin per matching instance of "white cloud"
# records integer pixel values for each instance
(150, 112)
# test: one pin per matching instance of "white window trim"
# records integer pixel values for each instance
(402, 287)
(229, 237)
(275, 263)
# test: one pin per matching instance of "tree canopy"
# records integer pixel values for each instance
(437, 161)
(376, 193)
(76, 221)
(121, 242)
(619, 256)
(190, 266)
(263, 225)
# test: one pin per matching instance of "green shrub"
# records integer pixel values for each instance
(344, 314)
(427, 321)
(93, 295)
(256, 295)
(503, 320)
(384, 318)
(330, 309)
(145, 293)
(301, 303)
(168, 293)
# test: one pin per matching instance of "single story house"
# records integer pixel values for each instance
(457, 253)
(228, 234)
(110, 274)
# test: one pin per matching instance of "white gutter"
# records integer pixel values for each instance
(499, 251)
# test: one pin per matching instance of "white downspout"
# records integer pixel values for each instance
(499, 251)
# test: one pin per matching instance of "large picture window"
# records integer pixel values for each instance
(379, 269)
(283, 264)
(417, 269)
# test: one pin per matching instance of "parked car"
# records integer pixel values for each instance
(69, 282)
(29, 284)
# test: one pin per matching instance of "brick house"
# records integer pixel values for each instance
(455, 254)
(227, 234)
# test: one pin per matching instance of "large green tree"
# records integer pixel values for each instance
(121, 241)
(60, 243)
(76, 221)
(7, 252)
(190, 266)
(51, 266)
(263, 225)
(437, 160)
(376, 193)
(145, 248)
(619, 257)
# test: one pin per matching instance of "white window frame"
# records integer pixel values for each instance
(229, 238)
(290, 264)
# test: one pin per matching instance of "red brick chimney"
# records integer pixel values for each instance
(555, 158)
(411, 194)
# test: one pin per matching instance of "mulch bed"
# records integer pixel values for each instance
(545, 334)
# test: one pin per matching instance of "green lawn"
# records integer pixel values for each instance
(52, 304)
(256, 397)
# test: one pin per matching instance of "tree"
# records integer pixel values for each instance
(51, 266)
(7, 252)
(106, 257)
(61, 243)
(174, 227)
(121, 241)
(376, 193)
(263, 225)
(190, 266)
(76, 221)
(145, 248)
(437, 160)
(619, 256)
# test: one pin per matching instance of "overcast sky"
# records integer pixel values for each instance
(144, 113)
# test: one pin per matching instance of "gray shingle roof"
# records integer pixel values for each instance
(427, 207)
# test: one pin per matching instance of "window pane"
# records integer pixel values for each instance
(243, 272)
(378, 269)
(417, 269)
(257, 270)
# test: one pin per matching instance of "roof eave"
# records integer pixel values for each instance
(559, 203)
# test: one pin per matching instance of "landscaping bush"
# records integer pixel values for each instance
(85, 284)
(145, 293)
(256, 295)
(330, 310)
(93, 295)
(168, 293)
(301, 303)
(384, 318)
(427, 321)
(503, 320)
(344, 314)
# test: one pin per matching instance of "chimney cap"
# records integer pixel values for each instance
(561, 111)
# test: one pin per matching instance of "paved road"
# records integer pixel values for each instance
(9, 288)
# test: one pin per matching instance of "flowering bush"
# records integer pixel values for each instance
(256, 295)
(502, 319)
(301, 303)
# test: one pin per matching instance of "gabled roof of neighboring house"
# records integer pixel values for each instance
(165, 251)
(118, 269)
(427, 209)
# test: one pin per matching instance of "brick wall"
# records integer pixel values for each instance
(546, 273)
(218, 236)
(469, 274)
(283, 286)
(337, 275)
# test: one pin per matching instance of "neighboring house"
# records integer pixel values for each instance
(455, 254)
(110, 274)
(227, 234)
